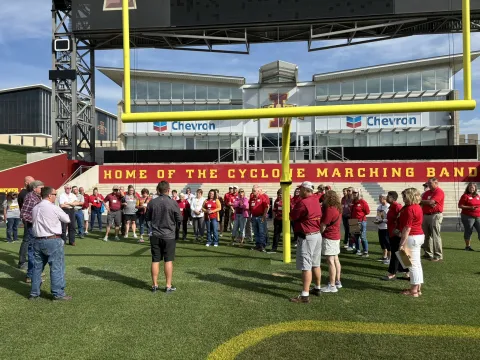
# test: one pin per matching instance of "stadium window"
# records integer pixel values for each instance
(428, 80)
(212, 107)
(373, 139)
(178, 143)
(415, 82)
(400, 138)
(142, 90)
(177, 91)
(165, 91)
(386, 138)
(400, 83)
(442, 79)
(360, 86)
(133, 90)
(188, 107)
(373, 85)
(414, 138)
(153, 90)
(153, 108)
(428, 138)
(224, 93)
(347, 88)
(321, 89)
(441, 137)
(237, 93)
(213, 93)
(189, 91)
(165, 143)
(334, 89)
(199, 107)
(200, 92)
(177, 108)
(165, 108)
(387, 84)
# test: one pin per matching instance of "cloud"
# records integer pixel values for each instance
(25, 19)
(471, 126)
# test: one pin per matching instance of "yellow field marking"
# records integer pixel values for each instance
(233, 347)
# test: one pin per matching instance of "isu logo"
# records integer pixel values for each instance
(354, 121)
(160, 126)
(278, 101)
(102, 130)
(110, 5)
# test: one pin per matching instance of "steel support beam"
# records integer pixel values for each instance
(73, 113)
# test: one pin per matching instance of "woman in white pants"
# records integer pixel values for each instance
(410, 221)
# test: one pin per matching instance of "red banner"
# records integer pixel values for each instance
(316, 172)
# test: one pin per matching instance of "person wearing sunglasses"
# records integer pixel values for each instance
(113, 205)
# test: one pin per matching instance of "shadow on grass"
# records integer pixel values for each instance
(116, 277)
(9, 258)
(242, 284)
(16, 281)
(284, 278)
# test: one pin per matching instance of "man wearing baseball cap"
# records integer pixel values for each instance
(306, 215)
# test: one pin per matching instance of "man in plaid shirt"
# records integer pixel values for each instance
(31, 200)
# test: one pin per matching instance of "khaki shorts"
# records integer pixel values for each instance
(309, 252)
(330, 247)
(85, 214)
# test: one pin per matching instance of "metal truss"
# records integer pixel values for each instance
(73, 101)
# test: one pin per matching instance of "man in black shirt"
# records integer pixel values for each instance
(164, 215)
(22, 255)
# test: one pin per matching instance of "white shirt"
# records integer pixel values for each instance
(46, 219)
(382, 216)
(197, 204)
(64, 198)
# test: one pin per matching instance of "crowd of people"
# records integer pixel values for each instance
(315, 216)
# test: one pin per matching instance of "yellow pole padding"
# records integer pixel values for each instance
(126, 57)
(285, 183)
(467, 61)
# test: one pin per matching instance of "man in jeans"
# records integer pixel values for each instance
(22, 255)
(26, 214)
(80, 219)
(432, 206)
(48, 245)
(259, 206)
(164, 215)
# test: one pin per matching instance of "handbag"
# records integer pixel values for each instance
(102, 209)
(354, 226)
(404, 258)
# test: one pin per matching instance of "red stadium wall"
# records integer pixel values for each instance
(52, 171)
(266, 173)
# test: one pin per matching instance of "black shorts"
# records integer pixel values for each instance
(162, 249)
(131, 217)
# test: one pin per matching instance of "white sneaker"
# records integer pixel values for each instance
(215, 245)
(346, 247)
(338, 284)
(386, 262)
(126, 236)
(359, 253)
(117, 238)
(207, 244)
(365, 254)
(350, 248)
(105, 238)
(329, 289)
(86, 232)
(134, 235)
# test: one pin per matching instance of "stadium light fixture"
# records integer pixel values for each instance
(300, 111)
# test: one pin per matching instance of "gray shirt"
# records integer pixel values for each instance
(164, 215)
(130, 208)
(13, 209)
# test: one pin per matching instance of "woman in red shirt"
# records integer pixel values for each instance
(96, 200)
(412, 238)
(211, 207)
(470, 205)
(394, 235)
(184, 214)
(330, 227)
(359, 211)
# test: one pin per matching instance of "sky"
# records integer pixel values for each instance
(25, 40)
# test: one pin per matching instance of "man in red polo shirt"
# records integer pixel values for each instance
(306, 215)
(360, 210)
(277, 221)
(432, 206)
(259, 206)
(228, 200)
(113, 205)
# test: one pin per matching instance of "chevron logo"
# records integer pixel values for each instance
(354, 121)
(160, 126)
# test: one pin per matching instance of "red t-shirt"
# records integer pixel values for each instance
(114, 202)
(307, 214)
(332, 218)
(184, 208)
(439, 196)
(228, 199)
(392, 217)
(96, 201)
(86, 202)
(360, 210)
(278, 208)
(469, 200)
(259, 204)
(211, 205)
(412, 217)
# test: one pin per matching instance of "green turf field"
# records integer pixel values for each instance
(223, 293)
(13, 155)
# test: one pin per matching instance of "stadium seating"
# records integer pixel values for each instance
(369, 191)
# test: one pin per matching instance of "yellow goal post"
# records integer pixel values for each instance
(467, 103)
